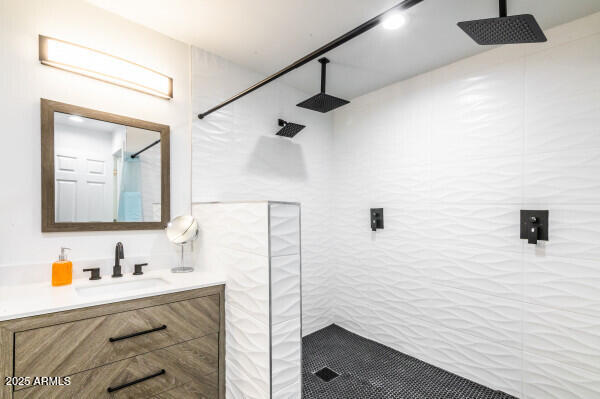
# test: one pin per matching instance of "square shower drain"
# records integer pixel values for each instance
(326, 374)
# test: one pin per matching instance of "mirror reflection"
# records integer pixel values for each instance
(105, 172)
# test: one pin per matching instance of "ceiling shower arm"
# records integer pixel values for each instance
(403, 5)
(503, 8)
(324, 61)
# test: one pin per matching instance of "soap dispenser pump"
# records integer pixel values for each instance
(62, 270)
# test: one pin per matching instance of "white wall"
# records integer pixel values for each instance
(452, 156)
(236, 156)
(23, 81)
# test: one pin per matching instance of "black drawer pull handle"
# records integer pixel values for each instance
(163, 327)
(128, 384)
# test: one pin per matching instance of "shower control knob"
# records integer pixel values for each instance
(533, 219)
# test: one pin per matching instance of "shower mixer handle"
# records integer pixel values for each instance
(534, 226)
(532, 235)
(376, 218)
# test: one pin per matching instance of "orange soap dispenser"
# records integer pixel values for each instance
(62, 270)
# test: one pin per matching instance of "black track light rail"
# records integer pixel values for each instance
(359, 30)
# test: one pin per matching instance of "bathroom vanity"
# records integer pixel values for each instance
(160, 346)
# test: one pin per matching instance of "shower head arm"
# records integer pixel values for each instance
(324, 61)
(503, 8)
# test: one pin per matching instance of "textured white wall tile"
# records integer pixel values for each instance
(289, 392)
(566, 177)
(285, 288)
(247, 282)
(573, 339)
(478, 226)
(477, 109)
(286, 356)
(246, 227)
(490, 272)
(238, 226)
(247, 354)
(546, 379)
(563, 283)
(490, 180)
(238, 385)
(394, 291)
(285, 229)
(490, 317)
(563, 98)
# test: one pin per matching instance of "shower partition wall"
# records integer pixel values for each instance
(257, 246)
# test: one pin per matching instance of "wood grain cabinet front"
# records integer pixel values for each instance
(80, 345)
(142, 376)
(156, 347)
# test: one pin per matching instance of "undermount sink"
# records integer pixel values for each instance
(120, 287)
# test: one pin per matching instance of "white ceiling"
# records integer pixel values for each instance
(267, 35)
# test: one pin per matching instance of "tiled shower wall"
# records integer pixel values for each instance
(452, 156)
(237, 157)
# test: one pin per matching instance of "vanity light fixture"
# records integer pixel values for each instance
(105, 67)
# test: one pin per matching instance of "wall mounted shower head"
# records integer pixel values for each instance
(289, 129)
(323, 102)
(505, 29)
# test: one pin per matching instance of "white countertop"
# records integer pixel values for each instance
(40, 298)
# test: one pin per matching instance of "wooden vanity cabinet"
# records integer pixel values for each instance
(165, 346)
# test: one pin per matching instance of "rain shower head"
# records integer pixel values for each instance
(289, 129)
(323, 102)
(505, 29)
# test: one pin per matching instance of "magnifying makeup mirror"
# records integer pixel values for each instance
(181, 231)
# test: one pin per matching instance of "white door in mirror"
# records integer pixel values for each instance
(83, 188)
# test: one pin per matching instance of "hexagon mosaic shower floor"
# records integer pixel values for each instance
(369, 370)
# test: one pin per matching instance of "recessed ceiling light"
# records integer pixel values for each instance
(75, 118)
(393, 21)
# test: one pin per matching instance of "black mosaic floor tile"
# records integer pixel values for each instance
(369, 370)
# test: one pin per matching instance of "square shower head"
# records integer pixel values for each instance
(322, 103)
(289, 129)
(504, 30)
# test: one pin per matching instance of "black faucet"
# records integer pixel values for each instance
(118, 256)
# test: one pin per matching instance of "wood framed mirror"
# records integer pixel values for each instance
(102, 171)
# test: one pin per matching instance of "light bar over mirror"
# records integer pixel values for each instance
(105, 67)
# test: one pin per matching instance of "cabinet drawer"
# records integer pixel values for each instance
(191, 362)
(204, 388)
(67, 348)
